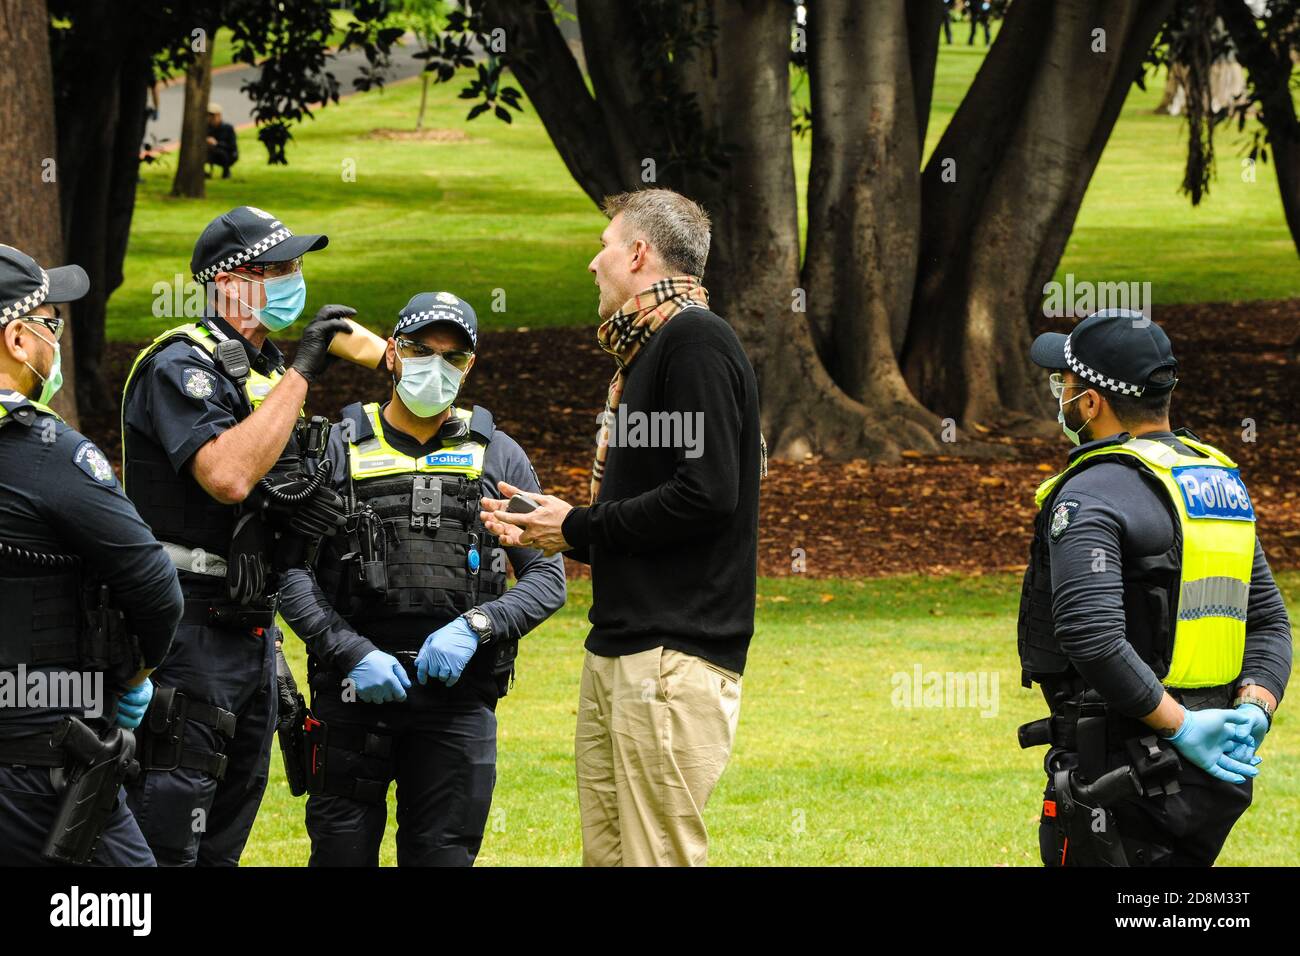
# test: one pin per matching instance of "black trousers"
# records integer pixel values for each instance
(222, 156)
(443, 758)
(188, 816)
(1188, 828)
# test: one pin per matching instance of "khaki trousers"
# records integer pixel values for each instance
(654, 734)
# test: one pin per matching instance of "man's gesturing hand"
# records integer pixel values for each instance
(313, 357)
(538, 529)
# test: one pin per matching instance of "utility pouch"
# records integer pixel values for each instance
(164, 729)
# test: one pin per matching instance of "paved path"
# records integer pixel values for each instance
(238, 108)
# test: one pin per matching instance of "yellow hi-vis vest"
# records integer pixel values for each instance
(373, 457)
(1217, 521)
(256, 387)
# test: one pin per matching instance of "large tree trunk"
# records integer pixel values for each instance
(1270, 73)
(1017, 194)
(190, 180)
(942, 273)
(864, 207)
(544, 65)
(104, 77)
(29, 216)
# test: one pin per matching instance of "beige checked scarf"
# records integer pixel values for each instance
(623, 334)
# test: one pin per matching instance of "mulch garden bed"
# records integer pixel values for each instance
(931, 514)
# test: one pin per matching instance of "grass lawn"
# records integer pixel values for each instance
(499, 211)
(825, 769)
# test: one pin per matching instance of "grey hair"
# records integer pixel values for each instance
(675, 227)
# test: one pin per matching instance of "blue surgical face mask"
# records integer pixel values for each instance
(428, 385)
(1075, 436)
(285, 298)
(50, 384)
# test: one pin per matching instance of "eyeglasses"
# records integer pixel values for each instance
(274, 270)
(1058, 384)
(409, 348)
(55, 323)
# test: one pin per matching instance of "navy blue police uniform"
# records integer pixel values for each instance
(67, 533)
(440, 743)
(207, 739)
(1136, 588)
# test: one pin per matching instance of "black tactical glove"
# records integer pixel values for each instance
(313, 357)
(286, 689)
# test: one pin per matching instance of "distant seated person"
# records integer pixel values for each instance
(223, 149)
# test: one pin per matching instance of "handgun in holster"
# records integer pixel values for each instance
(97, 766)
(1077, 824)
(293, 746)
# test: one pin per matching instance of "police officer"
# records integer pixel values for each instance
(69, 538)
(208, 410)
(411, 634)
(1149, 615)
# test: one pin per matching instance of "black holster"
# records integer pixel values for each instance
(162, 744)
(293, 746)
(1077, 826)
(96, 769)
(347, 760)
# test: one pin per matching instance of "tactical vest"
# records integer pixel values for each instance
(439, 560)
(1184, 609)
(176, 507)
(47, 606)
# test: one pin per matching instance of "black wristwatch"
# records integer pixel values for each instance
(479, 623)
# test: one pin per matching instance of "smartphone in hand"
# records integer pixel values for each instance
(521, 504)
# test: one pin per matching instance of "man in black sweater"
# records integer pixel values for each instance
(671, 535)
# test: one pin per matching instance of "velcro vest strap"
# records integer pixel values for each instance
(481, 424)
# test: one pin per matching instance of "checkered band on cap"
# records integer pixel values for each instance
(270, 241)
(440, 315)
(1092, 375)
(27, 302)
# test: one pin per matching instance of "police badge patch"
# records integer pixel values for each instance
(198, 383)
(92, 461)
(1062, 514)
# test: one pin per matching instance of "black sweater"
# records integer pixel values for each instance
(673, 537)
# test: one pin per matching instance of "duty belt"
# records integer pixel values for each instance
(32, 750)
(195, 560)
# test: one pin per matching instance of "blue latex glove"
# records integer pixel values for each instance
(1258, 728)
(131, 708)
(446, 652)
(1207, 739)
(380, 678)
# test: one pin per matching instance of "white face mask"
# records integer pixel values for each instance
(428, 385)
(1075, 436)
